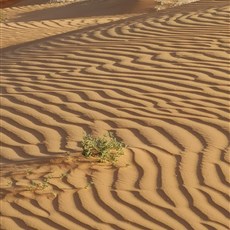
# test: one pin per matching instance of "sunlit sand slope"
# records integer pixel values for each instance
(15, 33)
(158, 81)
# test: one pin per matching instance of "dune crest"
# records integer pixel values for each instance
(158, 80)
(164, 4)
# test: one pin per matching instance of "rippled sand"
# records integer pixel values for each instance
(157, 79)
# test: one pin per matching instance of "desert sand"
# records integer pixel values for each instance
(153, 73)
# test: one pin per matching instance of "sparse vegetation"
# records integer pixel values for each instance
(38, 185)
(3, 17)
(106, 148)
(89, 184)
(29, 171)
(63, 175)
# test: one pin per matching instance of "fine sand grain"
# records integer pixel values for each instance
(157, 79)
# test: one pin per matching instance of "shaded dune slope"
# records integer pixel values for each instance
(159, 81)
(69, 9)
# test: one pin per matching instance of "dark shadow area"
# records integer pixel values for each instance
(18, 3)
(87, 9)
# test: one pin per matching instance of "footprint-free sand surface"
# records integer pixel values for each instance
(157, 79)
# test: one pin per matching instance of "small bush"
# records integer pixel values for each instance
(38, 185)
(106, 148)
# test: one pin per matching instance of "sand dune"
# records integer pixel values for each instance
(158, 80)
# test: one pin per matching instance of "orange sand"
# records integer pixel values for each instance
(157, 79)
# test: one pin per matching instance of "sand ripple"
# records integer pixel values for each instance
(159, 81)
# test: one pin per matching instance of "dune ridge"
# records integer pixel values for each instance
(158, 80)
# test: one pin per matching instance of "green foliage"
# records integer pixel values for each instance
(89, 184)
(38, 185)
(107, 148)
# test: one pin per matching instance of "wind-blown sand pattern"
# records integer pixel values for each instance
(158, 80)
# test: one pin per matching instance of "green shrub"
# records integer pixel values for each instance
(106, 148)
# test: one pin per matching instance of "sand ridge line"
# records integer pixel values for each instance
(166, 98)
